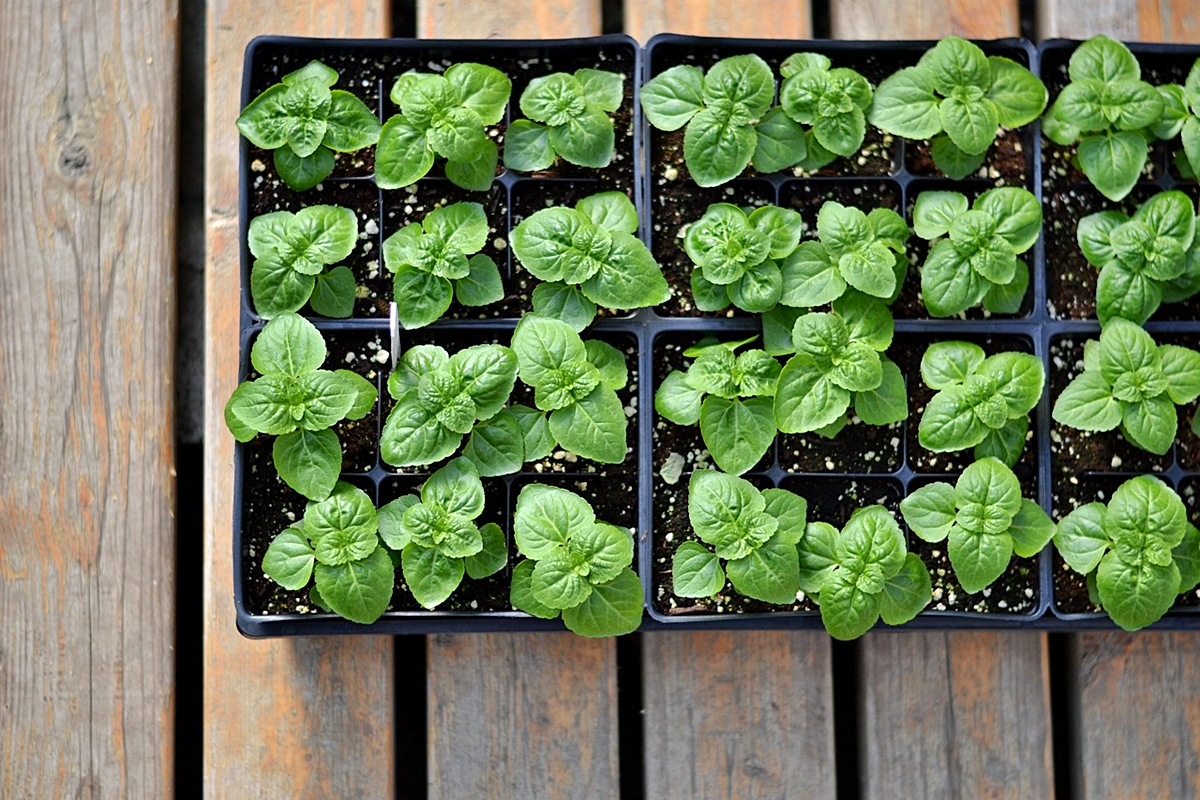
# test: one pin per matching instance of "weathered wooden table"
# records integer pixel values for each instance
(91, 119)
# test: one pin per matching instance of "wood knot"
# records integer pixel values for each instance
(74, 160)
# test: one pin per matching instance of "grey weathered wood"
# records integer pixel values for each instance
(87, 316)
(738, 714)
(775, 19)
(1138, 726)
(507, 19)
(283, 718)
(1128, 20)
(923, 19)
(522, 716)
(955, 715)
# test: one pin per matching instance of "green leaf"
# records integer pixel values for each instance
(759, 288)
(586, 139)
(742, 79)
(970, 125)
(527, 147)
(565, 303)
(728, 512)
(1144, 509)
(1125, 347)
(1019, 95)
(309, 461)
(737, 432)
(1122, 293)
(494, 555)
(950, 422)
(846, 610)
(557, 584)
(1170, 214)
(696, 571)
(403, 155)
(333, 293)
(770, 573)
(1150, 424)
(391, 521)
(1103, 59)
(807, 399)
(1008, 298)
(978, 558)
(303, 172)
(605, 89)
(543, 346)
(289, 346)
(1006, 443)
(609, 362)
(810, 277)
(482, 286)
(521, 592)
(955, 63)
(457, 134)
(264, 121)
(789, 510)
(935, 212)
(483, 89)
(351, 125)
(1113, 161)
(716, 147)
(561, 244)
(777, 329)
(929, 511)
(593, 427)
(1019, 377)
(496, 446)
(1190, 137)
(948, 284)
(487, 373)
(536, 430)
(305, 109)
(546, 518)
(946, 364)
(905, 105)
(1087, 404)
(612, 609)
(1080, 537)
(412, 436)
(782, 226)
(906, 592)
(1182, 369)
(779, 142)
(1187, 558)
(359, 590)
(425, 297)
(475, 175)
(628, 278)
(606, 550)
(1031, 529)
(613, 211)
(431, 575)
(673, 97)
(677, 400)
(708, 296)
(461, 226)
(289, 559)
(888, 402)
(1136, 595)
(952, 160)
(1017, 213)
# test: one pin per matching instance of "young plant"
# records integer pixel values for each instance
(737, 255)
(437, 537)
(982, 401)
(577, 383)
(574, 565)
(728, 116)
(1184, 101)
(1130, 382)
(337, 543)
(304, 121)
(443, 116)
(958, 98)
(440, 397)
(291, 252)
(568, 119)
(833, 102)
(298, 402)
(730, 396)
(1110, 111)
(985, 519)
(754, 533)
(838, 365)
(862, 251)
(1144, 260)
(437, 260)
(862, 573)
(589, 256)
(1139, 552)
(977, 260)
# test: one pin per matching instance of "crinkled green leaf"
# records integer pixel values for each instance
(289, 559)
(612, 609)
(593, 427)
(771, 573)
(496, 446)
(562, 302)
(906, 592)
(309, 461)
(359, 590)
(737, 432)
(403, 155)
(929, 511)
(546, 518)
(303, 172)
(431, 575)
(696, 571)
(673, 97)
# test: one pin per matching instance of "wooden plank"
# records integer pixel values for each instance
(923, 19)
(1139, 715)
(955, 715)
(522, 715)
(743, 714)
(776, 19)
(283, 718)
(488, 19)
(1128, 20)
(87, 320)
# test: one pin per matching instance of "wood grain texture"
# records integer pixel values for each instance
(283, 718)
(923, 19)
(1128, 20)
(489, 19)
(776, 19)
(955, 715)
(1139, 715)
(521, 716)
(745, 714)
(87, 321)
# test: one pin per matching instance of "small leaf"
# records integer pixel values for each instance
(565, 303)
(613, 211)
(905, 105)
(1080, 538)
(978, 558)
(593, 427)
(929, 511)
(303, 172)
(906, 592)
(696, 571)
(494, 555)
(677, 400)
(431, 576)
(770, 573)
(546, 517)
(1113, 161)
(612, 609)
(289, 559)
(496, 446)
(359, 590)
(1031, 529)
(673, 97)
(935, 212)
(737, 432)
(403, 155)
(309, 461)
(521, 592)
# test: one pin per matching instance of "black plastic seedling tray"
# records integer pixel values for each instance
(894, 177)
